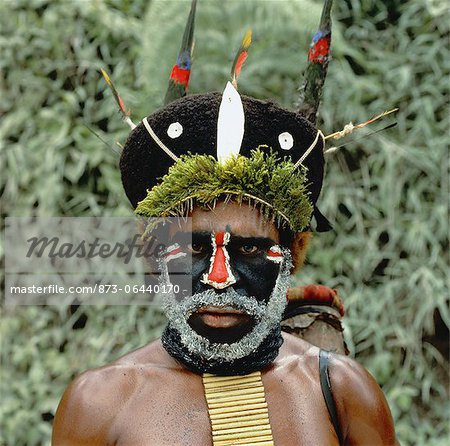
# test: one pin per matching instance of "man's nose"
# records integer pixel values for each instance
(220, 274)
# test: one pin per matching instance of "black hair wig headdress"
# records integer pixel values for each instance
(206, 147)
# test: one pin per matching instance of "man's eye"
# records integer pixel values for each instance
(196, 248)
(248, 249)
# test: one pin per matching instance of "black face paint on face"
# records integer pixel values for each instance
(249, 264)
(255, 272)
(251, 352)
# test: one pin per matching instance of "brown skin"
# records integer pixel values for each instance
(298, 247)
(148, 398)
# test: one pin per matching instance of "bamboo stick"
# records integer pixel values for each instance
(240, 417)
(232, 408)
(262, 441)
(210, 377)
(231, 382)
(235, 402)
(219, 395)
(234, 387)
(239, 433)
(231, 388)
(240, 423)
(242, 412)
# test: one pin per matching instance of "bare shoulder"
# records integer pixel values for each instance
(292, 345)
(364, 414)
(92, 401)
(296, 350)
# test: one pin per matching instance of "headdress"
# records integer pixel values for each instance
(212, 146)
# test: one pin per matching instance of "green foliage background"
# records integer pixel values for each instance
(386, 195)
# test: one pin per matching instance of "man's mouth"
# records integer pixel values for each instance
(222, 324)
(222, 316)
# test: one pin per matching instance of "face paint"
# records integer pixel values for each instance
(254, 265)
(219, 275)
(221, 259)
(274, 254)
(266, 316)
(173, 252)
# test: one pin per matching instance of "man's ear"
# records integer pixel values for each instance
(299, 246)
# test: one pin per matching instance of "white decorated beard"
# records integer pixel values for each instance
(267, 316)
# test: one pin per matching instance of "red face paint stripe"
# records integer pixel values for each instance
(219, 274)
(219, 271)
(173, 252)
(220, 238)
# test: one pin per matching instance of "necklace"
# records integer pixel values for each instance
(237, 410)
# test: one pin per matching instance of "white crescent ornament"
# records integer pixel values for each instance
(230, 124)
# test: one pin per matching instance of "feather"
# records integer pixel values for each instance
(241, 57)
(118, 99)
(181, 71)
(316, 71)
(230, 124)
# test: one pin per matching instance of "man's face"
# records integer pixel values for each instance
(231, 246)
(240, 276)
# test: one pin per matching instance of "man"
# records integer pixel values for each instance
(151, 397)
(223, 373)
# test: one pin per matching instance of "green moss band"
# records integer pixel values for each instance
(270, 184)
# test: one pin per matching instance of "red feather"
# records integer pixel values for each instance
(180, 75)
(241, 59)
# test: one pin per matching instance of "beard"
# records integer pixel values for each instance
(254, 350)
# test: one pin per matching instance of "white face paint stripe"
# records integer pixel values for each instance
(204, 279)
(226, 238)
(171, 248)
(173, 252)
(275, 254)
(174, 256)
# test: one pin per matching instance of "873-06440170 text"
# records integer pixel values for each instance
(52, 261)
(97, 288)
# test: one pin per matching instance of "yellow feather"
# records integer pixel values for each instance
(247, 39)
(107, 79)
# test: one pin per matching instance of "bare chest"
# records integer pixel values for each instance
(177, 415)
